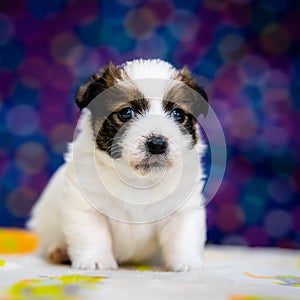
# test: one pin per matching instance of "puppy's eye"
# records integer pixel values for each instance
(126, 114)
(178, 115)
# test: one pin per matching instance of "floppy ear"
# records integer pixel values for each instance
(105, 78)
(200, 103)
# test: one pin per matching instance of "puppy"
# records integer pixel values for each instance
(131, 185)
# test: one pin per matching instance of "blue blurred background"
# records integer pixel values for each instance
(245, 53)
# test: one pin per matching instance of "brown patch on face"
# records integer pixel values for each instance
(106, 90)
(105, 94)
(106, 137)
(187, 94)
(189, 97)
(99, 82)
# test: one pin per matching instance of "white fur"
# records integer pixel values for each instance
(154, 68)
(63, 217)
(147, 74)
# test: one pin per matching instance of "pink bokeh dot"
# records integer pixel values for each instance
(34, 72)
(229, 217)
(31, 157)
(163, 11)
(242, 123)
(227, 81)
(20, 201)
(59, 136)
(227, 193)
(62, 45)
(140, 22)
(36, 181)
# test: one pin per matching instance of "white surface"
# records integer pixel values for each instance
(222, 276)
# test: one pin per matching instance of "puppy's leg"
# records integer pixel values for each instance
(182, 240)
(88, 239)
(45, 220)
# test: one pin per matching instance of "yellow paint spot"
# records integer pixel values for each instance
(81, 279)
(2, 262)
(144, 268)
(236, 297)
(17, 241)
(66, 287)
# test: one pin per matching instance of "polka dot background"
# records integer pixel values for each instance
(245, 53)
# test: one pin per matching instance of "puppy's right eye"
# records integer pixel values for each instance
(126, 114)
(178, 115)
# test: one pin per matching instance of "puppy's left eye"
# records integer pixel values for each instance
(126, 114)
(178, 115)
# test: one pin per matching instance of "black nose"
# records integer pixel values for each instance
(156, 145)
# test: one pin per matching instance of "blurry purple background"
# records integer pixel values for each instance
(245, 53)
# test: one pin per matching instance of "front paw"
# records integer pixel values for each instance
(94, 263)
(183, 265)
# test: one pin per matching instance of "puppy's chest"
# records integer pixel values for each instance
(133, 242)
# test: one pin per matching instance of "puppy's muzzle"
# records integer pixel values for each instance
(157, 144)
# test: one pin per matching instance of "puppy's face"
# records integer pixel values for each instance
(144, 113)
